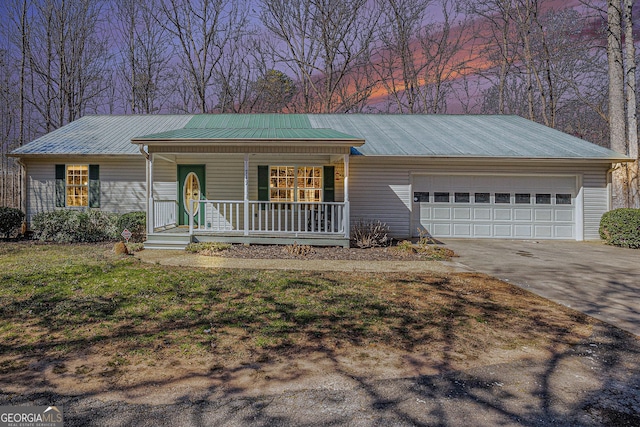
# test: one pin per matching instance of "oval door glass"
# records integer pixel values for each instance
(191, 191)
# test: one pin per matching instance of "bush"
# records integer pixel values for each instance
(298, 250)
(370, 233)
(621, 227)
(207, 248)
(69, 226)
(136, 223)
(10, 220)
(425, 249)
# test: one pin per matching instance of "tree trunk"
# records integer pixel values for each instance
(632, 118)
(617, 127)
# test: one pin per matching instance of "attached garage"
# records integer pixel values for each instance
(476, 177)
(495, 206)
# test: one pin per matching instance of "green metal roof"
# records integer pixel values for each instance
(249, 134)
(249, 121)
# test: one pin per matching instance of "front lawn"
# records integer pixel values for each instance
(60, 302)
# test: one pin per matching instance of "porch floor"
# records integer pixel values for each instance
(179, 238)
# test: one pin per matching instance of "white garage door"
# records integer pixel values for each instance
(520, 207)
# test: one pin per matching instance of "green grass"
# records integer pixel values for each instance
(60, 299)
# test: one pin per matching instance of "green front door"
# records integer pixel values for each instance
(191, 186)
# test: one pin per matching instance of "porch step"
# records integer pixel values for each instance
(167, 241)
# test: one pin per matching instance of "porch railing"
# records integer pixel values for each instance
(287, 218)
(299, 217)
(165, 213)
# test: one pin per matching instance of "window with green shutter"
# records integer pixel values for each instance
(329, 184)
(94, 186)
(77, 186)
(295, 183)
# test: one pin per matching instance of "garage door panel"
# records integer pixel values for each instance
(425, 211)
(441, 230)
(461, 213)
(564, 215)
(473, 208)
(441, 213)
(482, 230)
(522, 231)
(543, 231)
(502, 214)
(502, 230)
(543, 215)
(482, 214)
(462, 230)
(522, 214)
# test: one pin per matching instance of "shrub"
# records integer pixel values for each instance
(135, 247)
(405, 246)
(207, 248)
(10, 220)
(621, 227)
(427, 250)
(136, 223)
(370, 233)
(69, 226)
(120, 249)
(298, 250)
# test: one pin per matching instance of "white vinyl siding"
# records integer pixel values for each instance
(596, 201)
(380, 188)
(122, 183)
(225, 173)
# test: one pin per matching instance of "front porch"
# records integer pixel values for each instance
(250, 222)
(255, 180)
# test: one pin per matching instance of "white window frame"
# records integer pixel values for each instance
(296, 189)
(84, 198)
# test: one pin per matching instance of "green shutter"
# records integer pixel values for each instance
(329, 184)
(60, 186)
(94, 186)
(263, 183)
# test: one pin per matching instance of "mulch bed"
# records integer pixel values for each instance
(327, 253)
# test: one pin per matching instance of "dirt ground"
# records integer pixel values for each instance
(590, 380)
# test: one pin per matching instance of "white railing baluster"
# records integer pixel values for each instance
(164, 213)
(284, 218)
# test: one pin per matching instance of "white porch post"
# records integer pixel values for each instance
(579, 230)
(347, 212)
(150, 208)
(246, 194)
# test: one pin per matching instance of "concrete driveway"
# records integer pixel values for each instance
(599, 280)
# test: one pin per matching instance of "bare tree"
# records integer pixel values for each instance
(322, 42)
(630, 67)
(396, 60)
(145, 73)
(203, 30)
(496, 31)
(68, 59)
(617, 118)
(9, 106)
(442, 45)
